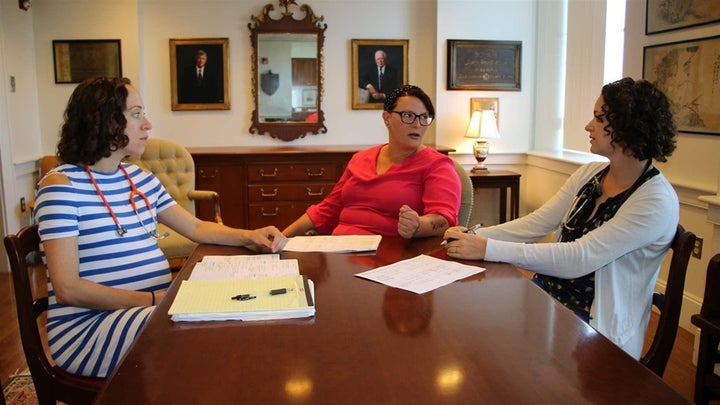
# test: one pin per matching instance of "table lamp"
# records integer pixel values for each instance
(483, 126)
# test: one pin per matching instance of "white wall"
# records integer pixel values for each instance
(19, 116)
(510, 20)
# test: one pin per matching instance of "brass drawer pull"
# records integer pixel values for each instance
(274, 173)
(319, 193)
(269, 214)
(311, 174)
(264, 194)
(205, 176)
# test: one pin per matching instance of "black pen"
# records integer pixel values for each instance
(245, 297)
(472, 230)
(279, 291)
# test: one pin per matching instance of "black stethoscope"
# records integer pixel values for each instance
(591, 190)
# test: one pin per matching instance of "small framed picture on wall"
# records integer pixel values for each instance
(379, 66)
(199, 74)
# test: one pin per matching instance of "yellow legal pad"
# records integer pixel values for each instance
(212, 300)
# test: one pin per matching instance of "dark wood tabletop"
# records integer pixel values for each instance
(492, 338)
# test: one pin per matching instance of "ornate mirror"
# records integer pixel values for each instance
(287, 71)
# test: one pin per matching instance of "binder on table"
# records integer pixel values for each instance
(247, 299)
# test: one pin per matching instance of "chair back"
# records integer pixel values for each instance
(51, 382)
(466, 199)
(173, 165)
(47, 162)
(670, 303)
(707, 382)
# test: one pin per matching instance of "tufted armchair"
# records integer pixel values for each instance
(173, 165)
(466, 199)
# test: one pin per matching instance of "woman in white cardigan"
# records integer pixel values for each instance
(613, 221)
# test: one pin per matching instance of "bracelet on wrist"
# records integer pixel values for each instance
(153, 297)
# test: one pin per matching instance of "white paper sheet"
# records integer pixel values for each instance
(420, 274)
(243, 267)
(333, 243)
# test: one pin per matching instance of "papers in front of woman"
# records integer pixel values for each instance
(333, 243)
(243, 267)
(420, 274)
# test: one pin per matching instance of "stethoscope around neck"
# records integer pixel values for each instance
(134, 192)
(590, 191)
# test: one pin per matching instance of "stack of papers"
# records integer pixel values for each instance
(244, 299)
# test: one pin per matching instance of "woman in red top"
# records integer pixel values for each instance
(399, 188)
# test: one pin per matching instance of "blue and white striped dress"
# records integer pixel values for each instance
(91, 342)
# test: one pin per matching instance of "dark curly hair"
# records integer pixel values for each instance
(94, 123)
(409, 90)
(639, 118)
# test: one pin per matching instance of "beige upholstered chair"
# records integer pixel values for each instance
(173, 165)
(466, 199)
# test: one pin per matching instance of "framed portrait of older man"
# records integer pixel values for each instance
(199, 74)
(378, 67)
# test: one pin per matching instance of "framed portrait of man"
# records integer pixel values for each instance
(199, 74)
(378, 67)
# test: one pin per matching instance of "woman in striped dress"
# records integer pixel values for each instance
(98, 221)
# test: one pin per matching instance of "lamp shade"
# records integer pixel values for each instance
(488, 125)
(473, 129)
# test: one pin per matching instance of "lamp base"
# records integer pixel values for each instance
(481, 148)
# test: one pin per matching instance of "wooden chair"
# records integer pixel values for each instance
(466, 200)
(46, 164)
(670, 303)
(51, 382)
(707, 383)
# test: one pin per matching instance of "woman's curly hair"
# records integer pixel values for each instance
(95, 123)
(640, 119)
(408, 90)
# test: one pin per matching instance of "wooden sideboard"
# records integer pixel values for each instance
(262, 186)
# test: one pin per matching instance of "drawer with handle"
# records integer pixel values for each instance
(269, 172)
(278, 214)
(288, 192)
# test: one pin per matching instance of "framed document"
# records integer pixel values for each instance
(77, 59)
(483, 65)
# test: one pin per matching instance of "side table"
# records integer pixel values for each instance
(501, 180)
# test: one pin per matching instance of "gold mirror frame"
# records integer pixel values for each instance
(287, 24)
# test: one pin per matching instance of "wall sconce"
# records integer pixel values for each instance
(24, 4)
(483, 126)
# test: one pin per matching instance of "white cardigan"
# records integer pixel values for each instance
(626, 252)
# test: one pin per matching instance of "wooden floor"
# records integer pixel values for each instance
(680, 373)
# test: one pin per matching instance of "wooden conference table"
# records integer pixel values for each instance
(492, 338)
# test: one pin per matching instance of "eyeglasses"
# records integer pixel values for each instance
(408, 117)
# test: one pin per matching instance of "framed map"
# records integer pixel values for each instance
(689, 74)
(667, 15)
